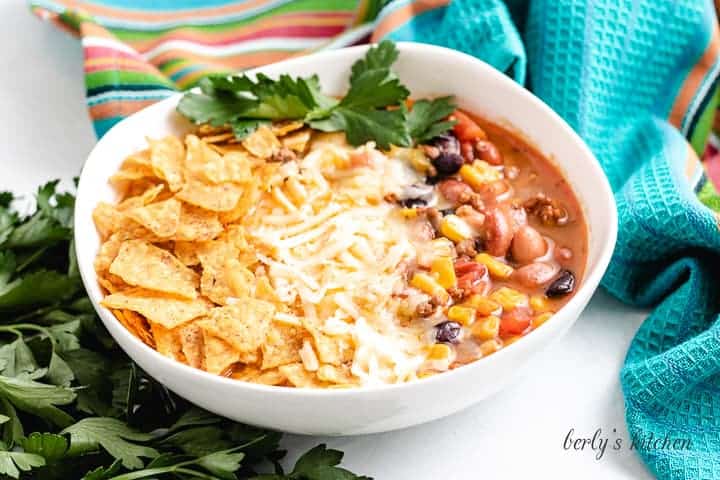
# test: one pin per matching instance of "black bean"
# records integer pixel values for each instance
(448, 163)
(448, 332)
(417, 194)
(562, 285)
(433, 179)
(446, 143)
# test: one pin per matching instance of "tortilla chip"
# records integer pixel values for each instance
(240, 280)
(222, 197)
(249, 200)
(107, 253)
(218, 137)
(167, 342)
(142, 264)
(197, 224)
(297, 141)
(168, 311)
(214, 285)
(147, 195)
(339, 375)
(107, 218)
(250, 373)
(191, 341)
(232, 167)
(244, 324)
(333, 350)
(299, 377)
(186, 252)
(139, 159)
(265, 291)
(282, 345)
(262, 142)
(137, 325)
(167, 156)
(207, 129)
(283, 128)
(213, 257)
(122, 177)
(218, 355)
(161, 218)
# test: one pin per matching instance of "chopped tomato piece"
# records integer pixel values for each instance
(515, 322)
(466, 130)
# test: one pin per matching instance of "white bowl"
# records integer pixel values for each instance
(426, 70)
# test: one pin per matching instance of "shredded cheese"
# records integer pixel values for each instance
(334, 250)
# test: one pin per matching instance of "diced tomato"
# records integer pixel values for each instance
(466, 130)
(515, 322)
(466, 266)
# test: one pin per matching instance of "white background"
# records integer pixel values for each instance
(45, 133)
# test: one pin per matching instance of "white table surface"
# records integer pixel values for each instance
(45, 134)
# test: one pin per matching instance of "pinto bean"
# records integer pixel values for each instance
(487, 151)
(453, 190)
(422, 230)
(472, 217)
(527, 245)
(498, 228)
(467, 152)
(535, 274)
(518, 216)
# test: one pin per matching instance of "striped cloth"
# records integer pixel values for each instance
(637, 79)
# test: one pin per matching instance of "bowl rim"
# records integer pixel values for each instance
(588, 286)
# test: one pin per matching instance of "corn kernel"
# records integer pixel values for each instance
(489, 347)
(478, 174)
(439, 351)
(462, 315)
(442, 247)
(483, 305)
(454, 228)
(409, 212)
(496, 268)
(486, 328)
(540, 304)
(426, 283)
(511, 340)
(540, 319)
(414, 156)
(444, 270)
(509, 298)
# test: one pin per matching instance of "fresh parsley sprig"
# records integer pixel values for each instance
(373, 109)
(73, 405)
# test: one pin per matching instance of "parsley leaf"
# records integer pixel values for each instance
(50, 446)
(244, 103)
(427, 118)
(372, 109)
(12, 463)
(38, 398)
(381, 56)
(39, 287)
(385, 127)
(59, 365)
(89, 434)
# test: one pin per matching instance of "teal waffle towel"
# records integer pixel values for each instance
(635, 78)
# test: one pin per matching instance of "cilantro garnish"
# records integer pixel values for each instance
(73, 405)
(373, 109)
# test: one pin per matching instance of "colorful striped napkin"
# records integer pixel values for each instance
(637, 79)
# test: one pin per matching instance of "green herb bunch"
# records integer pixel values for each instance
(373, 109)
(73, 405)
